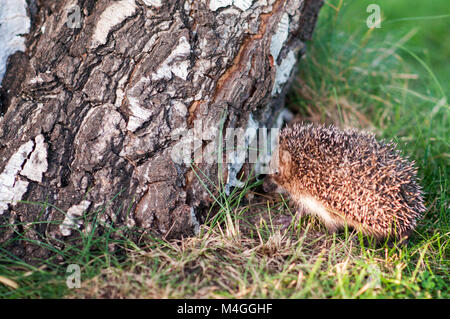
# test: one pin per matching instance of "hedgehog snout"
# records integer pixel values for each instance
(269, 185)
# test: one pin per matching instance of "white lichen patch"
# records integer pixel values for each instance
(280, 36)
(73, 218)
(241, 4)
(195, 222)
(110, 17)
(283, 72)
(20, 188)
(284, 69)
(13, 22)
(37, 164)
(139, 115)
(177, 63)
(37, 79)
(120, 94)
(216, 4)
(153, 3)
(179, 107)
(11, 189)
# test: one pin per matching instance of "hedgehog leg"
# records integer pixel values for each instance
(332, 226)
(309, 205)
(285, 221)
(300, 212)
(401, 240)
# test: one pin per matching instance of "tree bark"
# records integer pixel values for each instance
(93, 109)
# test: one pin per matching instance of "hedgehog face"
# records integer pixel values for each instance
(283, 169)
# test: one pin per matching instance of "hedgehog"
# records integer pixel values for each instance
(347, 177)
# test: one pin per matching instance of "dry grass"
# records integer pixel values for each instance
(215, 266)
(260, 251)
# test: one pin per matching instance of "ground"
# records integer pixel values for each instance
(392, 80)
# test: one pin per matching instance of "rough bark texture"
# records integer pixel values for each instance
(89, 113)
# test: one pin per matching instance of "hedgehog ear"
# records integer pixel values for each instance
(285, 162)
(285, 156)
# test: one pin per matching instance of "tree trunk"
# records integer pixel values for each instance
(94, 110)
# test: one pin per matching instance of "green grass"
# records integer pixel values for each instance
(393, 80)
(426, 22)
